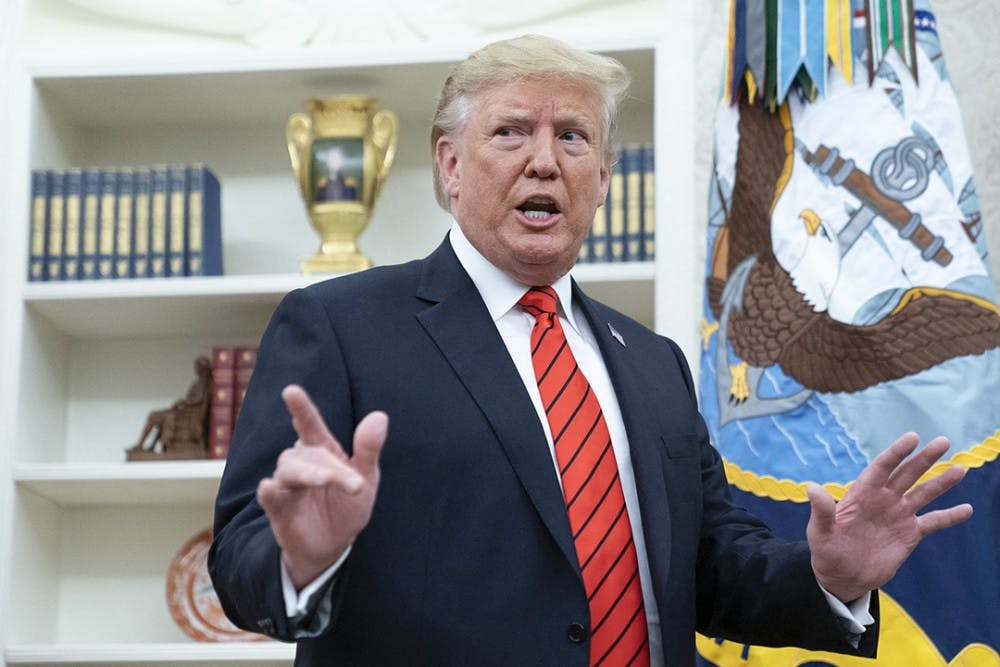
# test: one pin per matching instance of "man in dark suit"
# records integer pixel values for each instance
(469, 531)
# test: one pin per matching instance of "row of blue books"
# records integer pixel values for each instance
(624, 229)
(127, 222)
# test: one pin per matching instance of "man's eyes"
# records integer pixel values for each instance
(571, 136)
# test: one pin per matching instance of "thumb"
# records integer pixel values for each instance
(824, 508)
(369, 436)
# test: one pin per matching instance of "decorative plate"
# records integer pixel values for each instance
(191, 599)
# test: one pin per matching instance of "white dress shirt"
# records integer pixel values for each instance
(501, 293)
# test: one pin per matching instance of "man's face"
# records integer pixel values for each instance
(525, 176)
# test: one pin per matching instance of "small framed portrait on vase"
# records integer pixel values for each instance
(338, 169)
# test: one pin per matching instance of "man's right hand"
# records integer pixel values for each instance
(319, 499)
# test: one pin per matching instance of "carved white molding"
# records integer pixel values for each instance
(330, 22)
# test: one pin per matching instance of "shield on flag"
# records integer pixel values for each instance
(849, 299)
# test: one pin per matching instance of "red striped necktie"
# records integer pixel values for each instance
(592, 491)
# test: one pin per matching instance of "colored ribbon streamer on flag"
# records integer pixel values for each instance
(801, 47)
(770, 85)
(890, 25)
(791, 44)
(838, 37)
(814, 21)
(755, 28)
(737, 39)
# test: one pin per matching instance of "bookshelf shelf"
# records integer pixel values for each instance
(121, 483)
(214, 305)
(260, 654)
(594, 274)
(153, 288)
(161, 307)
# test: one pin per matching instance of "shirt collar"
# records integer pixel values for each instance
(500, 292)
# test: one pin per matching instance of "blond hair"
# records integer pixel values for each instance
(525, 58)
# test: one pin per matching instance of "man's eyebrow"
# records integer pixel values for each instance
(512, 116)
(578, 119)
(563, 119)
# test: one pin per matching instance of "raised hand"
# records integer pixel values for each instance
(319, 499)
(858, 544)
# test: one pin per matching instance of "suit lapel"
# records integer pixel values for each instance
(463, 331)
(645, 439)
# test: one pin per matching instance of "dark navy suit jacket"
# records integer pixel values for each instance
(468, 558)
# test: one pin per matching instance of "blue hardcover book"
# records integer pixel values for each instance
(56, 222)
(143, 182)
(123, 224)
(72, 223)
(598, 237)
(648, 203)
(176, 219)
(39, 220)
(632, 170)
(204, 218)
(106, 224)
(159, 210)
(90, 223)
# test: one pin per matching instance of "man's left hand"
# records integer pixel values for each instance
(857, 544)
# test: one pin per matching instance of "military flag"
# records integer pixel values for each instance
(850, 298)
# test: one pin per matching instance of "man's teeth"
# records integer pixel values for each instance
(537, 215)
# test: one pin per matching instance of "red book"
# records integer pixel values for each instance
(246, 359)
(220, 419)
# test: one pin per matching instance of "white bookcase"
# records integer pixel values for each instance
(86, 537)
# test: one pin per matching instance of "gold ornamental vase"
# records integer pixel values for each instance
(341, 152)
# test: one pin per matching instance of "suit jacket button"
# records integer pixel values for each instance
(576, 633)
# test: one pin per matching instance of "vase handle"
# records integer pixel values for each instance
(385, 133)
(298, 132)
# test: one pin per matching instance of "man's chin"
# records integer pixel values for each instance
(540, 270)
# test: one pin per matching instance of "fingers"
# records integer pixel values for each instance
(306, 419)
(304, 468)
(824, 508)
(946, 518)
(907, 473)
(301, 467)
(274, 494)
(882, 466)
(270, 495)
(369, 436)
(318, 460)
(932, 489)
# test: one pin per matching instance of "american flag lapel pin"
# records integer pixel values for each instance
(614, 334)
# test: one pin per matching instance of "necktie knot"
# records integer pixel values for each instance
(538, 300)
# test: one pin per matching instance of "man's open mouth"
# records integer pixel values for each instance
(538, 208)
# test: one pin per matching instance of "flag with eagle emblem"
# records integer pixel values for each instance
(849, 299)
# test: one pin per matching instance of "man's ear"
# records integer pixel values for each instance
(446, 154)
(605, 183)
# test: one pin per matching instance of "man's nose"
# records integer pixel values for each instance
(543, 159)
